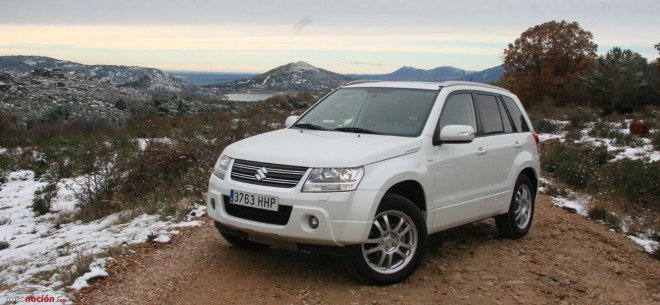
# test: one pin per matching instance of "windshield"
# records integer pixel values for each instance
(387, 111)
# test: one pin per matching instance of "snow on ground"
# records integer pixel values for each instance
(39, 248)
(580, 202)
(577, 202)
(646, 152)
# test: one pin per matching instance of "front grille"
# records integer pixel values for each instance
(268, 174)
(281, 217)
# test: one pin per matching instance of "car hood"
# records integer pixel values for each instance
(311, 148)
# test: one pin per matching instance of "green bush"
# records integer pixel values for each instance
(604, 129)
(163, 178)
(579, 118)
(572, 165)
(546, 126)
(636, 180)
(43, 198)
(8, 163)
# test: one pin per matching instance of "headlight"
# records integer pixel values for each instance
(333, 179)
(221, 166)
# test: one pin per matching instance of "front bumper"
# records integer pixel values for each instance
(345, 218)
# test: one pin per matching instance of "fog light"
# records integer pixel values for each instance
(213, 203)
(313, 222)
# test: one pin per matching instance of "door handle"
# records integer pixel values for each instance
(481, 151)
(518, 144)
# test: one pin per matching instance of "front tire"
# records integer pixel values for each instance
(396, 243)
(518, 220)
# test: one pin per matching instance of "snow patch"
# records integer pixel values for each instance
(162, 238)
(649, 245)
(579, 203)
(96, 270)
(42, 244)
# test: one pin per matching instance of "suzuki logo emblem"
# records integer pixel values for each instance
(261, 174)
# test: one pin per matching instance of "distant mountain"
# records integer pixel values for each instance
(435, 75)
(292, 77)
(117, 75)
(37, 89)
(414, 74)
(486, 76)
(209, 78)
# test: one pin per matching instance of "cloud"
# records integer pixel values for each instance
(302, 23)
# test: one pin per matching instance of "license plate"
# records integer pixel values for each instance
(254, 200)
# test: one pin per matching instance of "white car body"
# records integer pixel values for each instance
(451, 183)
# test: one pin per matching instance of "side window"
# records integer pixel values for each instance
(489, 113)
(516, 115)
(505, 118)
(458, 110)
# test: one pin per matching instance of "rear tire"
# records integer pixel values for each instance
(243, 243)
(518, 220)
(396, 243)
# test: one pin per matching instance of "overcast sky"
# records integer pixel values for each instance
(359, 36)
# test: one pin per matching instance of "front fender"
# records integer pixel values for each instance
(381, 176)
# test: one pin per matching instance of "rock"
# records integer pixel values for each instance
(511, 284)
(548, 280)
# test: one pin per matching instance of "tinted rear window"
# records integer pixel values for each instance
(489, 113)
(516, 114)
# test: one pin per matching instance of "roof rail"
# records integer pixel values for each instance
(464, 83)
(361, 81)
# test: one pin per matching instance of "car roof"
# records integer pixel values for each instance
(416, 85)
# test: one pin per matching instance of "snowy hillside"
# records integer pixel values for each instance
(40, 250)
(36, 89)
(581, 203)
(293, 77)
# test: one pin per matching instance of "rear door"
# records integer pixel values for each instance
(504, 144)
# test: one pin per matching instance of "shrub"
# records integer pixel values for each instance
(545, 126)
(603, 129)
(98, 195)
(579, 118)
(8, 163)
(572, 165)
(638, 128)
(4, 245)
(598, 211)
(636, 180)
(601, 211)
(656, 140)
(43, 198)
(161, 177)
(574, 134)
(151, 237)
(80, 266)
(622, 139)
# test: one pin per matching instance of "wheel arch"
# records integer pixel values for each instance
(531, 174)
(411, 190)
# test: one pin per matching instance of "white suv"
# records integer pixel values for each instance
(373, 168)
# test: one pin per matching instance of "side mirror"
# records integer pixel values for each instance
(290, 120)
(457, 134)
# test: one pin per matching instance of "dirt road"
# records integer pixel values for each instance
(564, 260)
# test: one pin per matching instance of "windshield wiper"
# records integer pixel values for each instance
(356, 130)
(309, 126)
